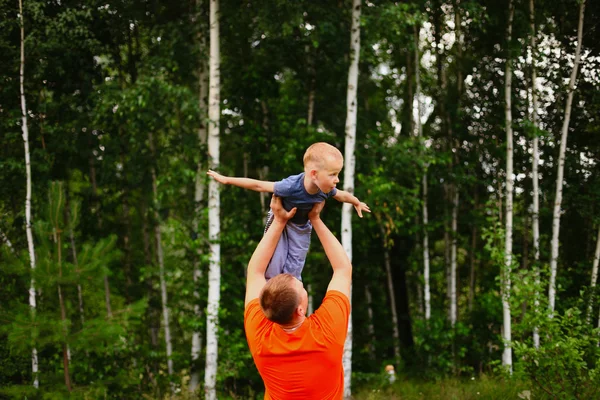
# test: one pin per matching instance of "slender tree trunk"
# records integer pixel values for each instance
(472, 267)
(30, 245)
(349, 165)
(506, 275)
(535, 218)
(447, 246)
(453, 263)
(425, 214)
(410, 99)
(152, 315)
(161, 262)
(390, 282)
(71, 223)
(561, 164)
(312, 83)
(370, 326)
(594, 279)
(473, 262)
(198, 199)
(63, 313)
(214, 228)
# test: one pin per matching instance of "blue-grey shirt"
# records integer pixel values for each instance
(293, 194)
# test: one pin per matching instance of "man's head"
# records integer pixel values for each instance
(283, 299)
(323, 163)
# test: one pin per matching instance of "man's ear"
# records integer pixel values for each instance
(300, 311)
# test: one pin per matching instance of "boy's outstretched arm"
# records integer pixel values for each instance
(346, 197)
(246, 183)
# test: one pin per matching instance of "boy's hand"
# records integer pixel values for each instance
(217, 177)
(279, 212)
(361, 207)
(315, 212)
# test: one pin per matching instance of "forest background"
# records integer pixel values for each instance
(476, 144)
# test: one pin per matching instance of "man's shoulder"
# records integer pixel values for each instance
(335, 304)
(253, 311)
(336, 295)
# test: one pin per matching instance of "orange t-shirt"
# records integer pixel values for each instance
(304, 364)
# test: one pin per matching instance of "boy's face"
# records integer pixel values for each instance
(327, 177)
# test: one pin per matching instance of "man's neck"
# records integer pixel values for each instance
(309, 185)
(293, 326)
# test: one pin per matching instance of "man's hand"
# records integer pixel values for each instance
(218, 177)
(279, 212)
(361, 207)
(315, 213)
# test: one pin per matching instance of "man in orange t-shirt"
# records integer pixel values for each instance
(297, 357)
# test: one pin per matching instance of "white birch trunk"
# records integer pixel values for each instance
(161, 266)
(30, 246)
(453, 264)
(561, 164)
(506, 281)
(198, 198)
(427, 290)
(349, 164)
(426, 287)
(594, 279)
(214, 228)
(534, 172)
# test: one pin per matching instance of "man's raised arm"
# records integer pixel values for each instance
(264, 251)
(340, 263)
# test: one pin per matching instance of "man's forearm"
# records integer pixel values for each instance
(333, 248)
(265, 249)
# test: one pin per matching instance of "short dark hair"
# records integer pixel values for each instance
(279, 299)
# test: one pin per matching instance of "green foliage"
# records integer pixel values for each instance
(566, 363)
(101, 79)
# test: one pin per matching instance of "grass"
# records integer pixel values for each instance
(449, 389)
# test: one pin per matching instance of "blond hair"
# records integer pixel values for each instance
(318, 153)
(279, 299)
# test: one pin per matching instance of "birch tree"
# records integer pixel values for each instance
(594, 279)
(199, 197)
(506, 283)
(349, 164)
(214, 228)
(30, 244)
(425, 214)
(561, 164)
(535, 220)
(453, 260)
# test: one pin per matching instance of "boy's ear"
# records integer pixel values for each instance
(313, 174)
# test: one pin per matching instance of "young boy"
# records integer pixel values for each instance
(322, 165)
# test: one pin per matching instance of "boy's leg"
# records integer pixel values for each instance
(275, 266)
(298, 238)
